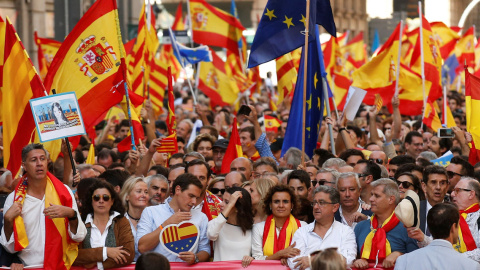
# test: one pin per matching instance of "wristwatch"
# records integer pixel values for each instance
(74, 216)
(196, 259)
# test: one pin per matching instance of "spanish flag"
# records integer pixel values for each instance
(355, 51)
(20, 84)
(178, 22)
(234, 148)
(215, 83)
(234, 69)
(47, 48)
(2, 49)
(472, 101)
(212, 26)
(447, 38)
(465, 48)
(254, 76)
(286, 76)
(431, 119)
(271, 123)
(89, 62)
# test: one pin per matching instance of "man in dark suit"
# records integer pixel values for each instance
(350, 211)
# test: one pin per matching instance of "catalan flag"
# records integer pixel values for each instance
(286, 76)
(281, 28)
(214, 27)
(178, 238)
(168, 144)
(20, 84)
(215, 83)
(158, 84)
(171, 122)
(89, 62)
(234, 148)
(47, 48)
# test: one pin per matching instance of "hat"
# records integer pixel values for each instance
(408, 210)
(276, 144)
(222, 143)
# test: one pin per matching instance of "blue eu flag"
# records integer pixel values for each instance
(449, 69)
(314, 102)
(187, 55)
(282, 26)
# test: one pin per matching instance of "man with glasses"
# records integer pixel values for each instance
(324, 232)
(367, 171)
(350, 211)
(457, 168)
(219, 149)
(382, 238)
(379, 157)
(413, 144)
(264, 165)
(466, 195)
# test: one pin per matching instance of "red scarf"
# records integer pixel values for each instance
(466, 241)
(211, 205)
(378, 244)
(282, 240)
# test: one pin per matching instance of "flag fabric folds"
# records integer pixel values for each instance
(47, 48)
(281, 28)
(157, 84)
(313, 107)
(168, 145)
(89, 62)
(91, 155)
(234, 148)
(286, 76)
(2, 49)
(171, 122)
(465, 48)
(214, 27)
(215, 83)
(472, 103)
(187, 55)
(446, 38)
(20, 84)
(138, 133)
(271, 123)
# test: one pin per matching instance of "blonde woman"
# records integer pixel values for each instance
(258, 190)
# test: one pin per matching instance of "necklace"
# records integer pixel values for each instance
(136, 219)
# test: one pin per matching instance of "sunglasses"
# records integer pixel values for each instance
(321, 182)
(404, 184)
(97, 197)
(216, 190)
(452, 174)
(377, 160)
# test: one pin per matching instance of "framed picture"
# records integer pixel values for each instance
(57, 116)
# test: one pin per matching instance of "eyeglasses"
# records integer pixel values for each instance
(263, 174)
(404, 184)
(457, 190)
(377, 160)
(362, 175)
(217, 190)
(97, 197)
(452, 174)
(321, 182)
(321, 203)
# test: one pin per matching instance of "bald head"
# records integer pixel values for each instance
(378, 156)
(234, 179)
(242, 165)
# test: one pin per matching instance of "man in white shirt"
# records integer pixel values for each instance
(324, 232)
(25, 210)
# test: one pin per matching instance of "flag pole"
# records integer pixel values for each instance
(305, 68)
(399, 57)
(333, 98)
(445, 105)
(422, 64)
(329, 114)
(129, 117)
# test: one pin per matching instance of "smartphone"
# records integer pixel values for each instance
(245, 110)
(445, 133)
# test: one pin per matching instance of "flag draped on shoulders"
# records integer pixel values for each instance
(89, 62)
(215, 27)
(47, 48)
(281, 28)
(20, 84)
(314, 102)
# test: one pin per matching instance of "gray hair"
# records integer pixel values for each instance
(334, 162)
(335, 174)
(293, 157)
(160, 177)
(390, 188)
(428, 155)
(384, 173)
(194, 154)
(333, 193)
(347, 175)
(31, 147)
(473, 184)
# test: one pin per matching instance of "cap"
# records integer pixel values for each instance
(222, 143)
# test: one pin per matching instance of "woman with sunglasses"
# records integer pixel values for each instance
(408, 181)
(231, 232)
(271, 239)
(134, 197)
(109, 241)
(217, 187)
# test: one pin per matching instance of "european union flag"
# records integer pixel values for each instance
(375, 42)
(282, 26)
(189, 55)
(314, 102)
(449, 68)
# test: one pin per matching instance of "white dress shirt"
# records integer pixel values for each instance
(339, 235)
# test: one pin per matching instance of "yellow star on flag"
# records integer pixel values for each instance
(270, 14)
(304, 20)
(288, 22)
(309, 102)
(318, 104)
(315, 80)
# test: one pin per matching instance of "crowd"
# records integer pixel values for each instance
(307, 210)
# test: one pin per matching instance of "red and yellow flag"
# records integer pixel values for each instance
(234, 69)
(286, 76)
(89, 62)
(47, 48)
(168, 144)
(178, 22)
(138, 133)
(215, 27)
(20, 84)
(158, 84)
(465, 48)
(234, 148)
(2, 49)
(215, 83)
(171, 122)
(355, 52)
(431, 119)
(472, 101)
(254, 76)
(271, 123)
(446, 38)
